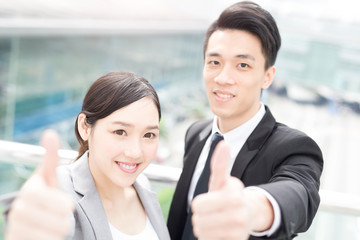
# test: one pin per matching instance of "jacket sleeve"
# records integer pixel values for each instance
(295, 183)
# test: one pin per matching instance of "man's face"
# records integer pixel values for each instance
(234, 74)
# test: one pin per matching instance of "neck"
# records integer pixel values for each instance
(113, 193)
(226, 124)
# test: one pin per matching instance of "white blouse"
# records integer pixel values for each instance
(147, 234)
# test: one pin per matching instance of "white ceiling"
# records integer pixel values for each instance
(164, 9)
(109, 9)
(102, 16)
(111, 16)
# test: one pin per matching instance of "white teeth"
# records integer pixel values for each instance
(127, 166)
(223, 95)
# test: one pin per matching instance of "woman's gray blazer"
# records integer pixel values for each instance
(90, 220)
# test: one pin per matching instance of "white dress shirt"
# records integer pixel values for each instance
(236, 138)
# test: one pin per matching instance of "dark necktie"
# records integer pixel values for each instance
(202, 186)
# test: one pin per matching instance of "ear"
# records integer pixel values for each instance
(269, 77)
(83, 128)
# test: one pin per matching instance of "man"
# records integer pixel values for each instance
(272, 192)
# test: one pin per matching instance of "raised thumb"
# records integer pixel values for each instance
(219, 164)
(51, 142)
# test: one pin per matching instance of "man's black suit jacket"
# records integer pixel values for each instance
(283, 161)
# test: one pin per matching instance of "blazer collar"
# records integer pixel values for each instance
(194, 154)
(90, 202)
(150, 202)
(194, 150)
(204, 134)
(253, 144)
(82, 178)
(262, 131)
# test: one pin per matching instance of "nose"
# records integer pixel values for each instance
(133, 149)
(225, 76)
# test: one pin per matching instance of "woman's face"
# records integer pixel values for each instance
(124, 143)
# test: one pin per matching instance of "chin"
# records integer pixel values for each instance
(125, 182)
(220, 112)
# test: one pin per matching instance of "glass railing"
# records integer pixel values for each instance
(338, 216)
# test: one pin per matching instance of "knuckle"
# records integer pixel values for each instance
(239, 219)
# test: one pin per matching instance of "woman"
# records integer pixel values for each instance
(118, 132)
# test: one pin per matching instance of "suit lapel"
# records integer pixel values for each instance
(242, 160)
(152, 208)
(191, 160)
(253, 144)
(90, 202)
(194, 142)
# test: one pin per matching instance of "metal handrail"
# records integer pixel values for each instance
(31, 155)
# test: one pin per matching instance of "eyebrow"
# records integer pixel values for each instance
(243, 56)
(131, 125)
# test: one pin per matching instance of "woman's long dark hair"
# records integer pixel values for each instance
(109, 93)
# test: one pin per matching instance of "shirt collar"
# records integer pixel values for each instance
(237, 137)
(250, 124)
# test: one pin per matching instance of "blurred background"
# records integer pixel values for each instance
(51, 51)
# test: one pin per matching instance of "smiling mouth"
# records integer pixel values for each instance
(223, 97)
(128, 168)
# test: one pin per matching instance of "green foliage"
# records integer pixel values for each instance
(165, 196)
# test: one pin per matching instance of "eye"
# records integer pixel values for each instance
(213, 62)
(150, 135)
(243, 65)
(120, 132)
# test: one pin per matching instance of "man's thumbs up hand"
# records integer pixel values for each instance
(218, 166)
(41, 210)
(221, 213)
